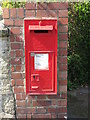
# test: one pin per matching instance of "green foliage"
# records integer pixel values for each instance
(78, 43)
(75, 69)
(0, 12)
(18, 4)
(69, 85)
(12, 4)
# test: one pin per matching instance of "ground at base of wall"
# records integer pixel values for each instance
(78, 103)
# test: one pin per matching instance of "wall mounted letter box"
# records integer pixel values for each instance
(41, 55)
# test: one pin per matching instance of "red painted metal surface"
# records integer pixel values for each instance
(41, 56)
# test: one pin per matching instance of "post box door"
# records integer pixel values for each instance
(42, 71)
(41, 56)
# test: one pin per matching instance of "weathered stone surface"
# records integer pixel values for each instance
(7, 103)
(4, 115)
(3, 31)
(0, 103)
(6, 93)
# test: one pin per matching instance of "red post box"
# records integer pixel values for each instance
(41, 55)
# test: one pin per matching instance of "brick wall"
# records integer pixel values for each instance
(41, 106)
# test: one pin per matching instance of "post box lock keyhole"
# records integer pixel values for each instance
(34, 77)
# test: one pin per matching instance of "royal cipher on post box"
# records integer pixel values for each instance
(41, 55)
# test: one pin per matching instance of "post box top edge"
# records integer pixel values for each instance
(42, 18)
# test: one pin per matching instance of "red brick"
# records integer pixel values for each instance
(15, 30)
(22, 45)
(62, 60)
(41, 6)
(20, 96)
(63, 82)
(30, 13)
(57, 110)
(16, 75)
(41, 110)
(61, 116)
(57, 5)
(13, 82)
(20, 103)
(63, 21)
(5, 13)
(30, 110)
(62, 67)
(21, 110)
(19, 83)
(63, 75)
(42, 13)
(52, 13)
(19, 53)
(12, 54)
(63, 36)
(18, 68)
(41, 103)
(63, 13)
(41, 116)
(15, 61)
(23, 75)
(30, 6)
(15, 45)
(12, 69)
(19, 22)
(31, 97)
(53, 97)
(13, 12)
(63, 52)
(41, 97)
(21, 30)
(24, 95)
(29, 103)
(18, 89)
(63, 95)
(29, 115)
(20, 12)
(63, 44)
(21, 115)
(12, 38)
(19, 38)
(54, 102)
(63, 28)
(54, 115)
(8, 22)
(63, 88)
(62, 102)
